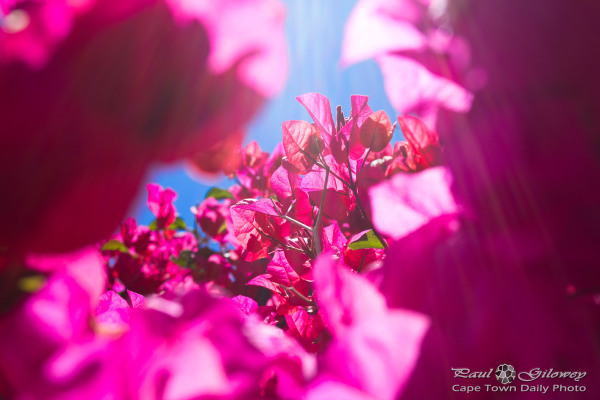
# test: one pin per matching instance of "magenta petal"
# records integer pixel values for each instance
(301, 142)
(281, 271)
(156, 81)
(360, 108)
(262, 206)
(31, 31)
(280, 183)
(407, 202)
(50, 319)
(374, 349)
(319, 109)
(346, 299)
(372, 29)
(85, 266)
(246, 305)
(112, 311)
(333, 237)
(250, 226)
(412, 88)
(378, 355)
(298, 322)
(160, 202)
(266, 281)
(249, 34)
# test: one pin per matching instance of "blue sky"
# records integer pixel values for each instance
(314, 29)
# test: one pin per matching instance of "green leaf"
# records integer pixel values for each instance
(114, 244)
(178, 224)
(366, 241)
(31, 284)
(219, 193)
(185, 259)
(223, 228)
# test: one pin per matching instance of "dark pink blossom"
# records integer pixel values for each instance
(257, 225)
(212, 217)
(160, 202)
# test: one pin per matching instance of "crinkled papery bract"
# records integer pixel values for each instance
(301, 144)
(179, 345)
(193, 346)
(255, 228)
(376, 131)
(424, 143)
(337, 195)
(113, 311)
(319, 109)
(115, 86)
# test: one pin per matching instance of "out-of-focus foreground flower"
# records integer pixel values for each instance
(94, 91)
(512, 275)
(425, 67)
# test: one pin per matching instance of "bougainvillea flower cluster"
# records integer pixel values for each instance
(265, 287)
(94, 91)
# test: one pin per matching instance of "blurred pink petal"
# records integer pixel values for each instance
(425, 67)
(118, 86)
(246, 305)
(32, 30)
(377, 27)
(246, 31)
(408, 201)
(521, 272)
(326, 389)
(374, 349)
(50, 319)
(412, 88)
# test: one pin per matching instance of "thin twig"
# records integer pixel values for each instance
(276, 240)
(298, 294)
(290, 219)
(315, 230)
(361, 262)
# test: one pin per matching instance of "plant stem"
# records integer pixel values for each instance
(290, 219)
(298, 294)
(316, 228)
